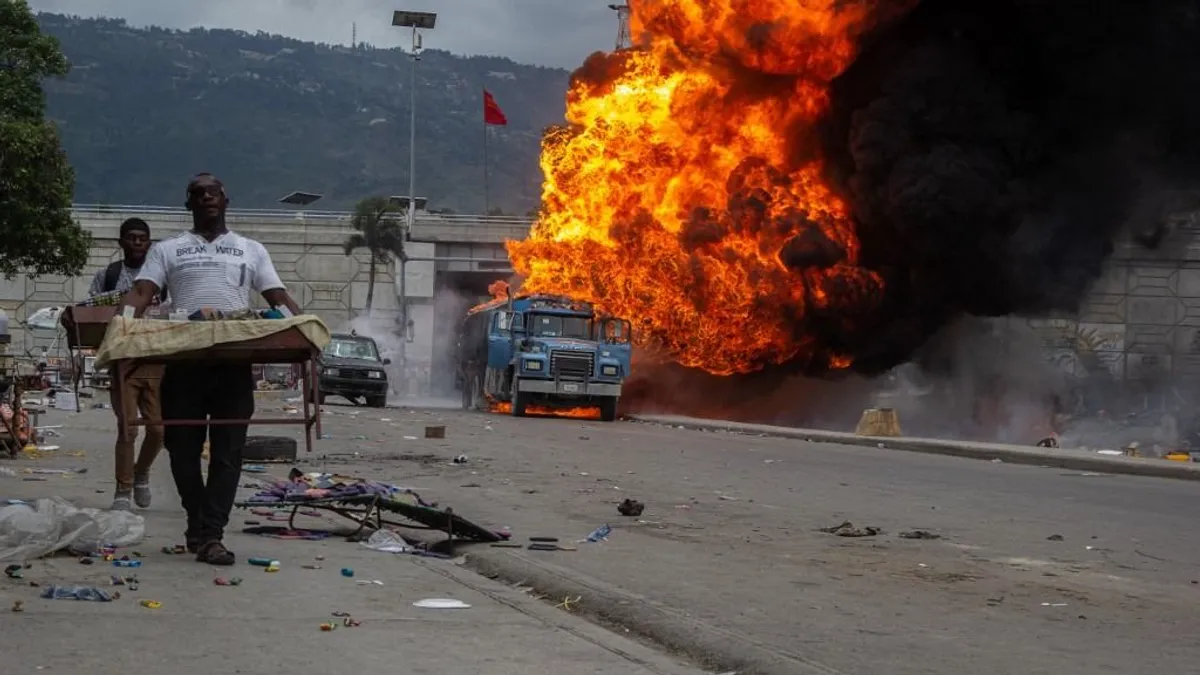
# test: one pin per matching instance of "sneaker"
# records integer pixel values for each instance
(141, 491)
(123, 501)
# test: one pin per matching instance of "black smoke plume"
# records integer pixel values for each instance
(992, 150)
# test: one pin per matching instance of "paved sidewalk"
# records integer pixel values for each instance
(270, 624)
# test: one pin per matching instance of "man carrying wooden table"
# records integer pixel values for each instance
(208, 267)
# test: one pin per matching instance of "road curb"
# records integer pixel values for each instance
(622, 611)
(1075, 460)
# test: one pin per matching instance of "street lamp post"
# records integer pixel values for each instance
(417, 21)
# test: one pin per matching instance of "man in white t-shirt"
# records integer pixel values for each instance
(208, 267)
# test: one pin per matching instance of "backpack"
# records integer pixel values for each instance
(113, 274)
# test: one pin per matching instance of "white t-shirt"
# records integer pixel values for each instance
(217, 274)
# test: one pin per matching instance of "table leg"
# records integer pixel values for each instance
(306, 394)
(315, 383)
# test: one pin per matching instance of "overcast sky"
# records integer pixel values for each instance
(545, 32)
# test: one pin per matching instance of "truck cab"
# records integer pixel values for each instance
(543, 350)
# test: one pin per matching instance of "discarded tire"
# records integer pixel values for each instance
(269, 449)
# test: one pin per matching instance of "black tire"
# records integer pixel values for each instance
(269, 449)
(519, 402)
(377, 401)
(608, 409)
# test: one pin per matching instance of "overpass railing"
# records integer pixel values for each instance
(474, 226)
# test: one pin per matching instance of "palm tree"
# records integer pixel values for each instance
(379, 231)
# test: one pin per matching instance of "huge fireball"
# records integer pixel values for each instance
(677, 195)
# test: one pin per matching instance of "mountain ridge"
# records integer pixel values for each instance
(143, 109)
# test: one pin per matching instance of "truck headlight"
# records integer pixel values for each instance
(531, 364)
(375, 374)
(610, 371)
(331, 372)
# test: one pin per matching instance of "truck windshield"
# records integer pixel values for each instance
(549, 325)
(351, 348)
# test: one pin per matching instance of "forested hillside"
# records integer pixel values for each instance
(144, 109)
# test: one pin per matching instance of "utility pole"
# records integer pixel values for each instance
(624, 41)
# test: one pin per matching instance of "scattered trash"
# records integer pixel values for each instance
(253, 468)
(1048, 442)
(847, 529)
(85, 560)
(364, 582)
(568, 601)
(310, 567)
(600, 533)
(262, 562)
(507, 544)
(1054, 537)
(89, 593)
(541, 546)
(347, 572)
(919, 534)
(150, 604)
(727, 498)
(441, 603)
(221, 581)
(18, 606)
(177, 549)
(386, 541)
(461, 459)
(435, 432)
(15, 571)
(631, 508)
(29, 531)
(127, 563)
(273, 567)
(1054, 604)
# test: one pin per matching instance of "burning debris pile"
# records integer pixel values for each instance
(818, 185)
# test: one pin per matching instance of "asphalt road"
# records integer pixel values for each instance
(730, 539)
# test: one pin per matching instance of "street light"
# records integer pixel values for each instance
(417, 21)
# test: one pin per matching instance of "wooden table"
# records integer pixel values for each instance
(288, 346)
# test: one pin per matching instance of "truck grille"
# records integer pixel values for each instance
(568, 365)
(353, 373)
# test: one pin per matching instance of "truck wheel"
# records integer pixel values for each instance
(608, 408)
(377, 401)
(519, 403)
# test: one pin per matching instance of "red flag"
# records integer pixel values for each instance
(492, 114)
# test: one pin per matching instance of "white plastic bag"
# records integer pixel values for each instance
(32, 530)
(386, 541)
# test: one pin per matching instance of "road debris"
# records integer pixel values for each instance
(919, 534)
(89, 593)
(631, 508)
(18, 606)
(1054, 537)
(222, 581)
(847, 529)
(599, 534)
(441, 603)
(151, 604)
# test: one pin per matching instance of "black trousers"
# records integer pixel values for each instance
(195, 391)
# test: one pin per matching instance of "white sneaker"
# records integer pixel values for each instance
(122, 502)
(141, 491)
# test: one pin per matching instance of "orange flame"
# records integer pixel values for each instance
(582, 412)
(673, 194)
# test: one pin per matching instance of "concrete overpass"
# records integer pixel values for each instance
(306, 247)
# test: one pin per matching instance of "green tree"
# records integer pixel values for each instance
(379, 231)
(36, 183)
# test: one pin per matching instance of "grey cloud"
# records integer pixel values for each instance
(545, 32)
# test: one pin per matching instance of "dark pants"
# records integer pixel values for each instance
(196, 392)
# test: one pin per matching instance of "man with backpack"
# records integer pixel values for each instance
(142, 385)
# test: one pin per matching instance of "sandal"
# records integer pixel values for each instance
(215, 553)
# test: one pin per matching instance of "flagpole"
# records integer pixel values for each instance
(486, 191)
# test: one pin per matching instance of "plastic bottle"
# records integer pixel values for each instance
(127, 563)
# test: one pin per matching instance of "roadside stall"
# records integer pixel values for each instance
(296, 340)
